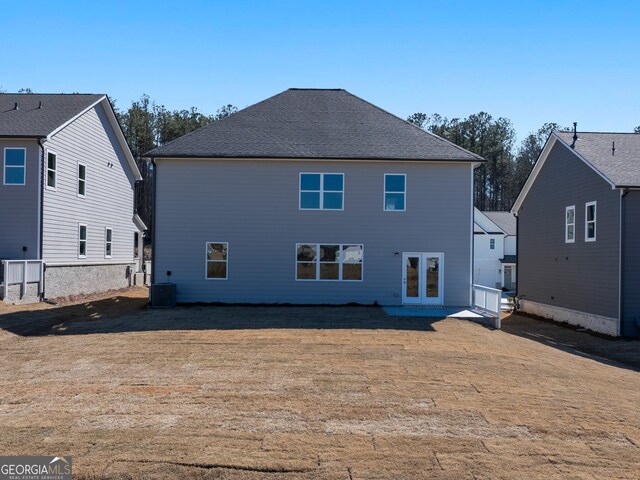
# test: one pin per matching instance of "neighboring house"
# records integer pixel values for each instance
(314, 196)
(494, 249)
(66, 197)
(579, 232)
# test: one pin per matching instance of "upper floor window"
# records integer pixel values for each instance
(329, 262)
(52, 169)
(217, 258)
(321, 191)
(492, 243)
(570, 224)
(82, 241)
(590, 222)
(108, 242)
(15, 166)
(82, 180)
(395, 188)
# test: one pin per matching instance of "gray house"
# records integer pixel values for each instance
(67, 223)
(314, 196)
(579, 232)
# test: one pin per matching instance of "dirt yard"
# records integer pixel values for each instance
(245, 393)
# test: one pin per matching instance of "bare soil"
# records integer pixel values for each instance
(312, 393)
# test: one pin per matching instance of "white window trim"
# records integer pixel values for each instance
(4, 166)
(106, 241)
(492, 241)
(384, 195)
(86, 240)
(55, 171)
(78, 180)
(207, 261)
(321, 191)
(567, 224)
(318, 262)
(594, 221)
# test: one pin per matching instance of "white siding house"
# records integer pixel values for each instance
(494, 249)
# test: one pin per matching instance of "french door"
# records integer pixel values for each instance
(422, 278)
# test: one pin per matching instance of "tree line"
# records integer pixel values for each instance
(499, 180)
(147, 125)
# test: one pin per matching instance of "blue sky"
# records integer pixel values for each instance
(530, 61)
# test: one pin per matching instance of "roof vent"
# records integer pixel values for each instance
(575, 134)
(39, 105)
(613, 148)
(15, 107)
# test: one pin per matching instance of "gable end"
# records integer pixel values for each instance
(115, 125)
(551, 141)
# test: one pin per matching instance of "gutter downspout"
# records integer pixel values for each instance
(473, 236)
(623, 194)
(41, 216)
(517, 252)
(153, 224)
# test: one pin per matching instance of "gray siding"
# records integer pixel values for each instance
(19, 205)
(109, 194)
(631, 269)
(580, 276)
(253, 205)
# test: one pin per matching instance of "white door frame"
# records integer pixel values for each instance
(422, 298)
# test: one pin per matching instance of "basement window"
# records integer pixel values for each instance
(108, 241)
(216, 260)
(82, 241)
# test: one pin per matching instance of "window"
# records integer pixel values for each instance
(82, 241)
(15, 166)
(217, 256)
(395, 186)
(570, 224)
(136, 254)
(108, 237)
(329, 262)
(321, 191)
(590, 222)
(492, 243)
(52, 161)
(82, 180)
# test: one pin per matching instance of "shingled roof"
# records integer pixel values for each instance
(621, 166)
(24, 115)
(505, 220)
(37, 115)
(313, 124)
